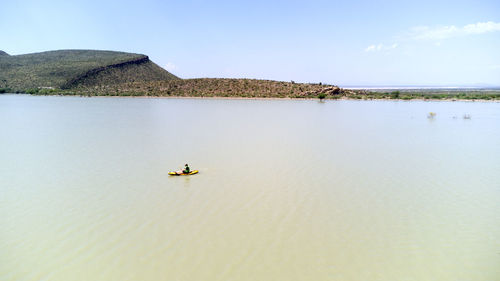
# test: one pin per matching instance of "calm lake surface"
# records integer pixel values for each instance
(287, 189)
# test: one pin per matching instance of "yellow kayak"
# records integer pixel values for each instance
(183, 174)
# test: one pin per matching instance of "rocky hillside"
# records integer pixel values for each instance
(253, 88)
(66, 69)
(215, 87)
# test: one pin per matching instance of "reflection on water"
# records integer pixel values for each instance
(287, 190)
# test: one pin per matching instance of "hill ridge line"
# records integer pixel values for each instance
(94, 71)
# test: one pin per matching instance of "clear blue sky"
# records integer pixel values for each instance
(341, 42)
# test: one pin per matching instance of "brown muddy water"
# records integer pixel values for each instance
(287, 189)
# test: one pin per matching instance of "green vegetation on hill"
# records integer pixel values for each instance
(213, 87)
(70, 68)
(252, 88)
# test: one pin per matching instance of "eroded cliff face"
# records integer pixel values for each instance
(136, 70)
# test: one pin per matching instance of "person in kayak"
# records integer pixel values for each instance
(186, 169)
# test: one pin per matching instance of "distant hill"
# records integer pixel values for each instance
(215, 87)
(66, 69)
(252, 88)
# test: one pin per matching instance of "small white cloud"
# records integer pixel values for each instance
(438, 44)
(482, 27)
(380, 47)
(170, 66)
(438, 33)
(370, 48)
(450, 31)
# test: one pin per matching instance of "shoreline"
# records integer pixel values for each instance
(263, 98)
(226, 88)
